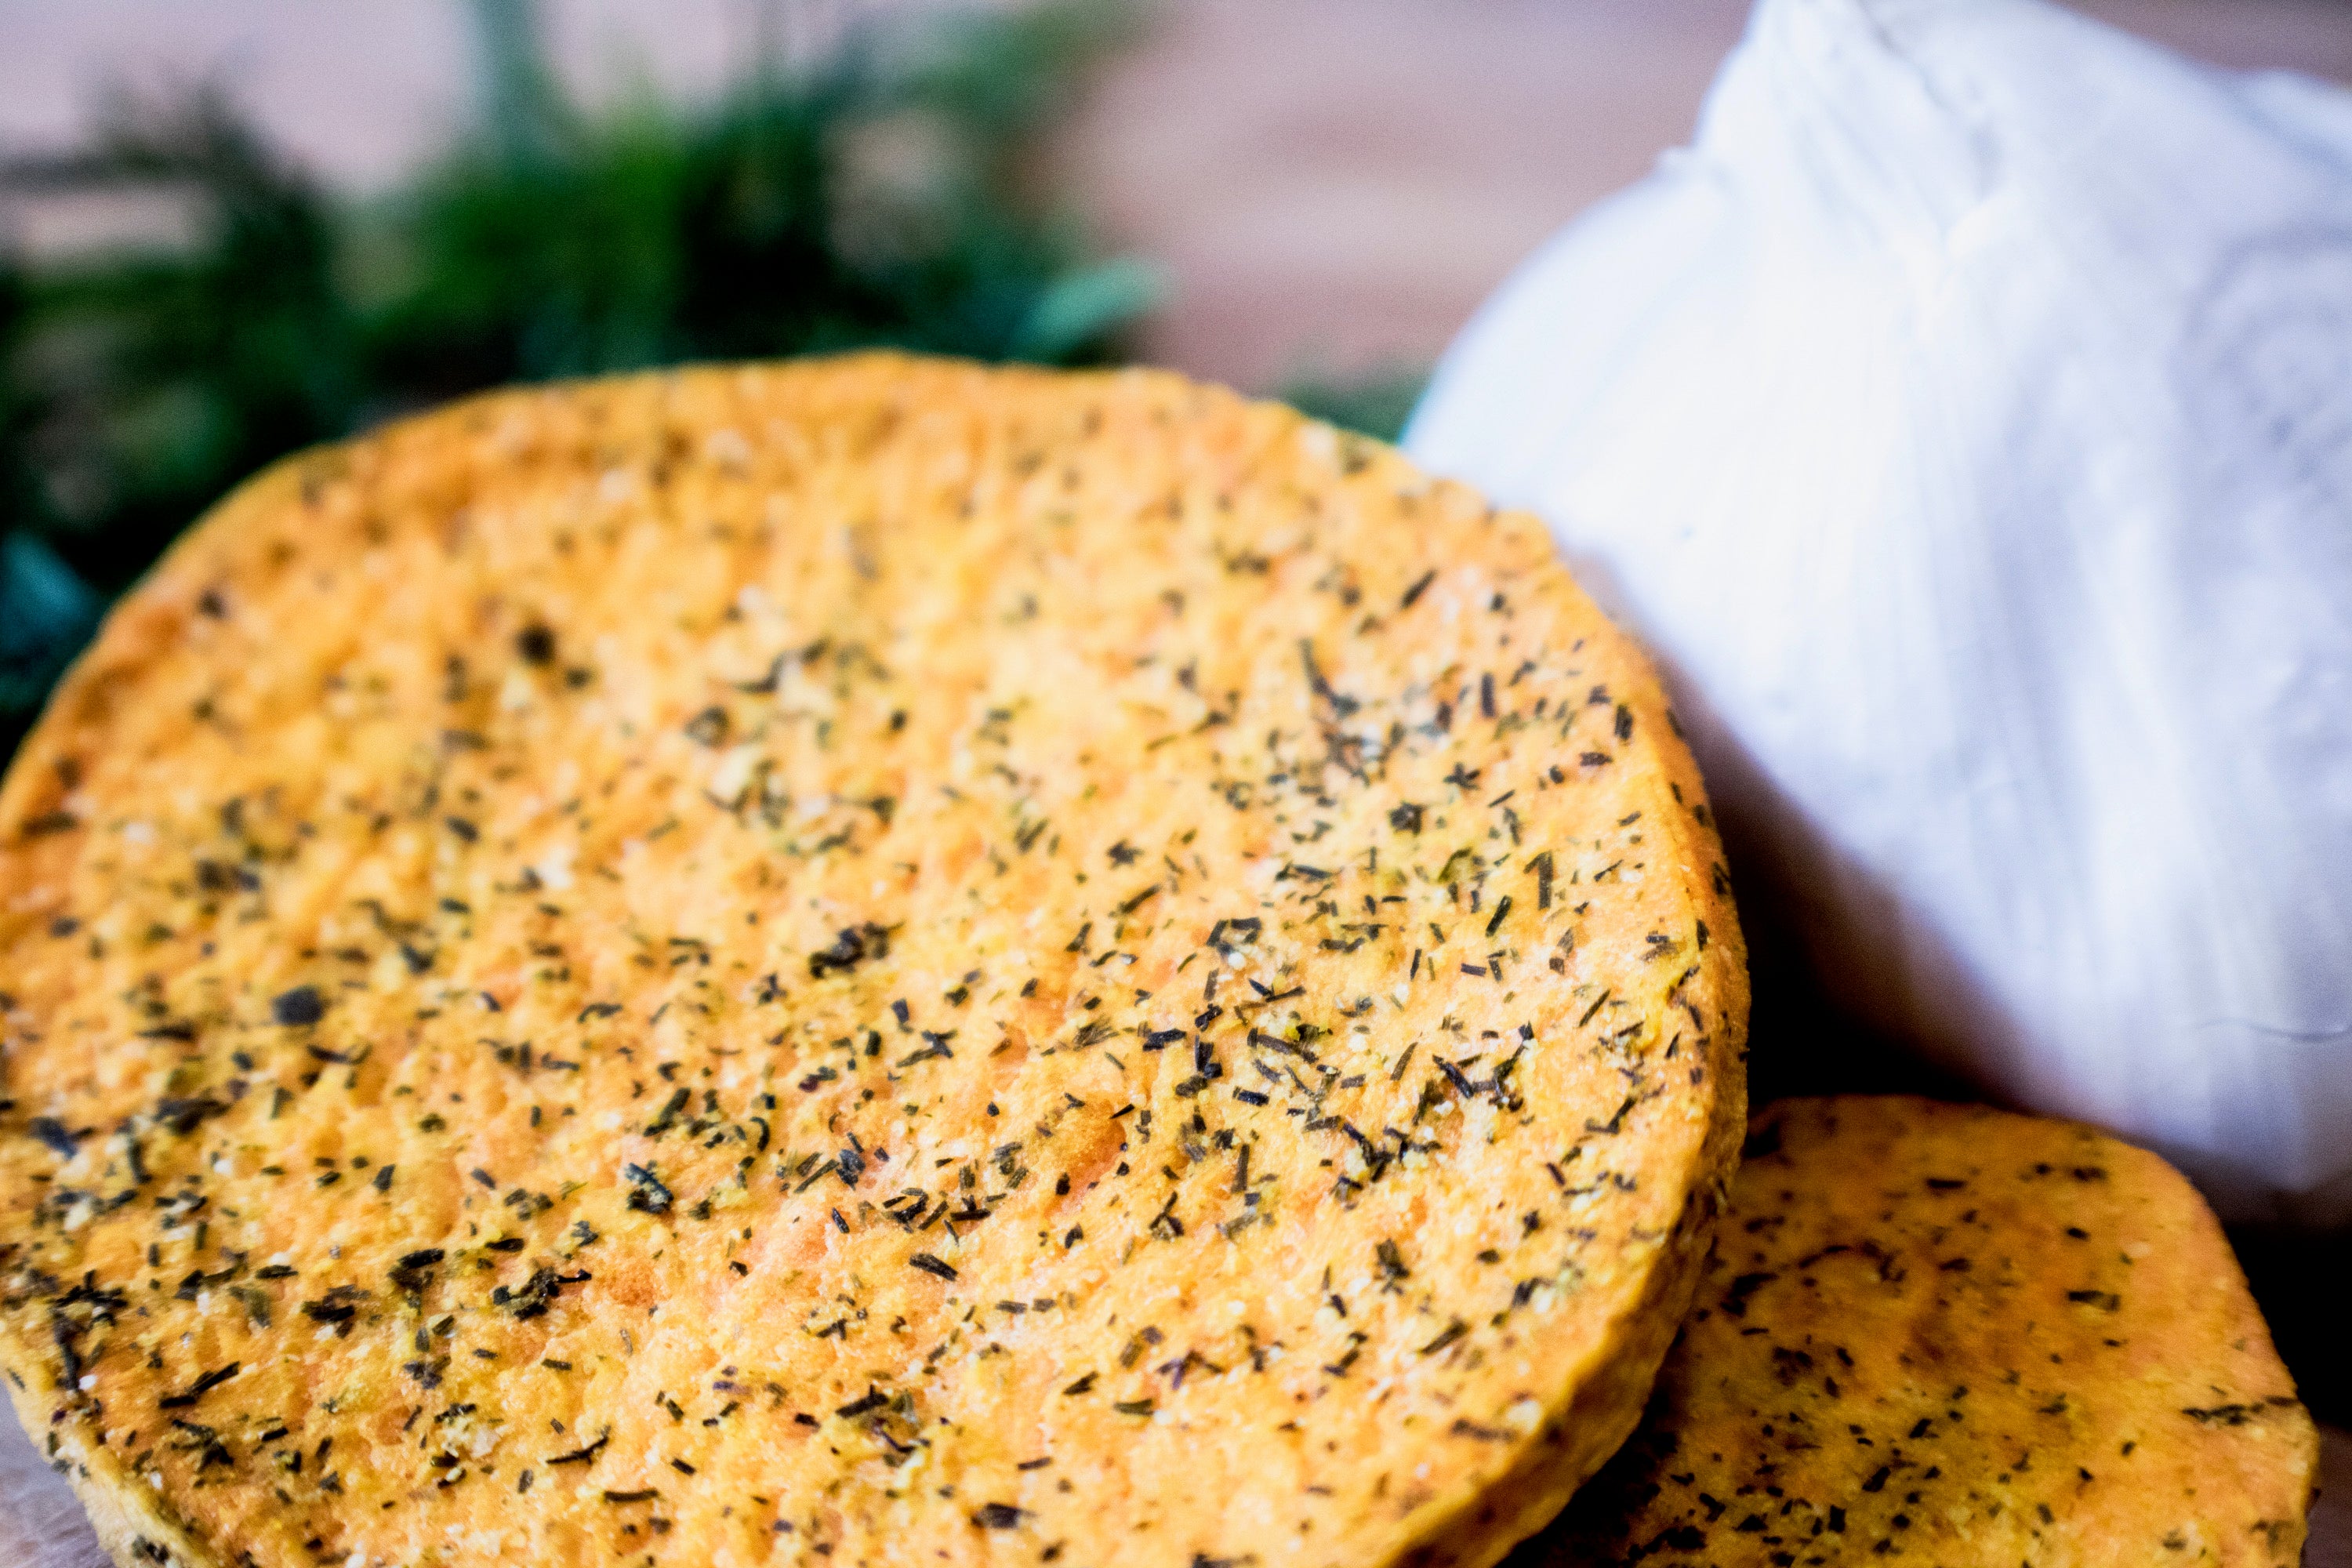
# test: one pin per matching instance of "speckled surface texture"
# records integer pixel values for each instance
(874, 960)
(1943, 1333)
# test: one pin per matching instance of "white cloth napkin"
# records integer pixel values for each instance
(1966, 420)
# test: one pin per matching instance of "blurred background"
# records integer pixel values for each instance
(232, 228)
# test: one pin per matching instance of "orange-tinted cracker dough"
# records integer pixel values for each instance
(865, 962)
(1947, 1335)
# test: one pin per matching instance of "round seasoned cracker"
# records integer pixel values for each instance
(874, 961)
(1944, 1333)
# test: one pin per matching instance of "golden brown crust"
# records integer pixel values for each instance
(625, 972)
(1945, 1333)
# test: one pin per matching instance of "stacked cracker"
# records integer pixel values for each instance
(863, 961)
(1944, 1333)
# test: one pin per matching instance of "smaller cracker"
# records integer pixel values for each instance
(1943, 1333)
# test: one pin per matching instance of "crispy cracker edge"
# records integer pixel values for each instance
(1476, 1528)
(1471, 1526)
(127, 1514)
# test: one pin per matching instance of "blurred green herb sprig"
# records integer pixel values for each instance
(1376, 401)
(877, 195)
